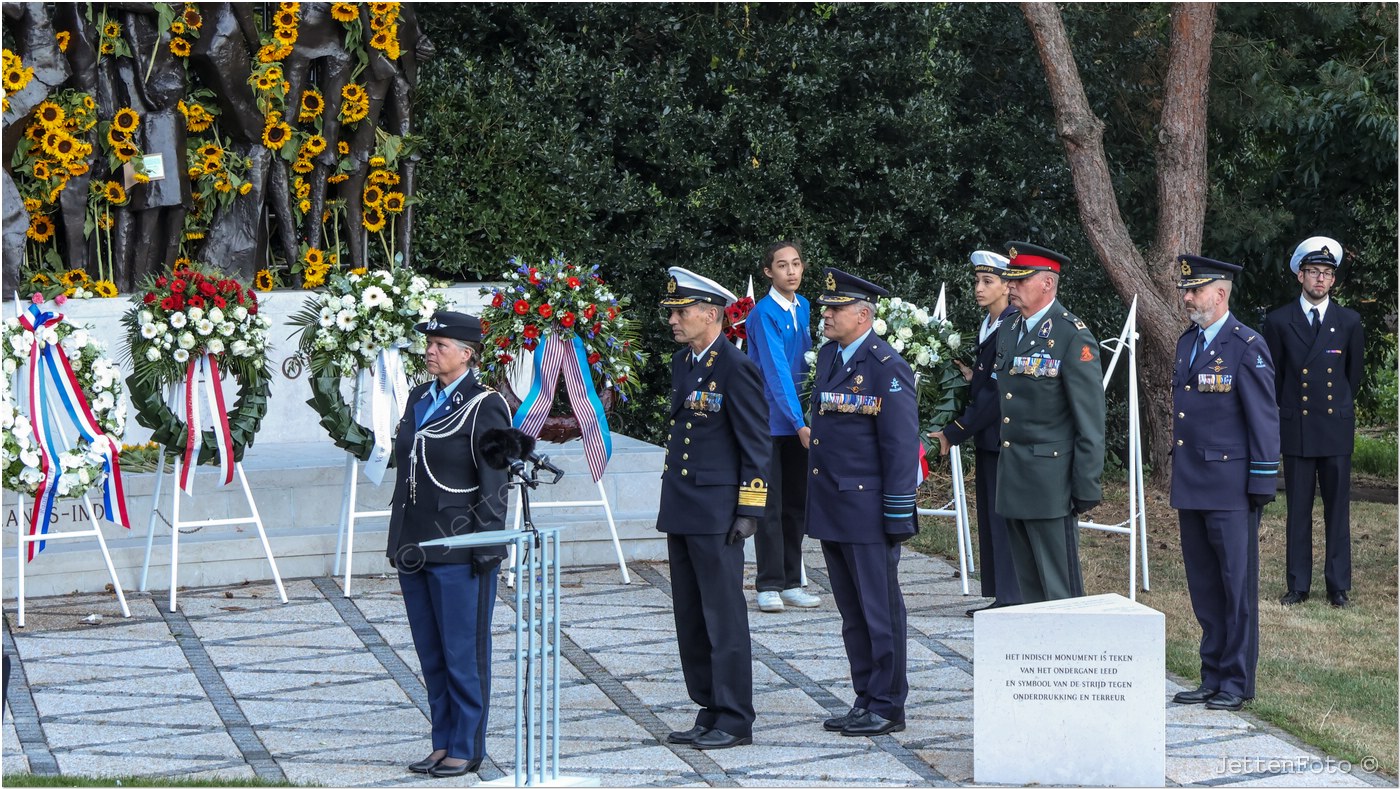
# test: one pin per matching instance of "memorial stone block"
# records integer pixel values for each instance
(1070, 692)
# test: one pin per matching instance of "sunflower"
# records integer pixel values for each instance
(302, 165)
(65, 148)
(58, 188)
(382, 8)
(263, 82)
(312, 104)
(286, 36)
(89, 103)
(111, 30)
(360, 271)
(373, 196)
(313, 257)
(104, 289)
(179, 47)
(74, 277)
(62, 37)
(41, 169)
(50, 141)
(192, 17)
(304, 206)
(108, 48)
(338, 178)
(77, 168)
(223, 185)
(373, 220)
(181, 265)
(114, 193)
(377, 161)
(41, 228)
(115, 137)
(276, 135)
(177, 28)
(124, 151)
(245, 187)
(198, 119)
(40, 279)
(32, 204)
(263, 280)
(312, 279)
(344, 12)
(343, 148)
(353, 92)
(287, 17)
(301, 188)
(384, 177)
(380, 40)
(210, 150)
(14, 79)
(105, 221)
(49, 115)
(126, 120)
(140, 177)
(314, 145)
(393, 202)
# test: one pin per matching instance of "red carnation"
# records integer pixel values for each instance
(567, 320)
(228, 286)
(172, 303)
(178, 286)
(546, 310)
(590, 311)
(220, 302)
(612, 313)
(196, 301)
(573, 282)
(505, 358)
(161, 281)
(149, 298)
(595, 357)
(208, 288)
(499, 299)
(503, 342)
(532, 331)
(521, 306)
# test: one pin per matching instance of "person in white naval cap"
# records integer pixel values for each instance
(981, 421)
(713, 491)
(1317, 348)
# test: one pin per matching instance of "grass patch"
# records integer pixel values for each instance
(30, 779)
(1326, 675)
(1375, 455)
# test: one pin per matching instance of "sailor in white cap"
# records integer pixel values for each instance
(981, 422)
(1317, 347)
(713, 491)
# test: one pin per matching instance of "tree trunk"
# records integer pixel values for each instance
(1181, 192)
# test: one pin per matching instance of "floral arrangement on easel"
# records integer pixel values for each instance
(359, 325)
(562, 318)
(67, 380)
(194, 324)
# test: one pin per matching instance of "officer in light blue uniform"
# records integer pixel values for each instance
(1225, 457)
(864, 462)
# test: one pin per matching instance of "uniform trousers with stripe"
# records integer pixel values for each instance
(1046, 554)
(449, 614)
(865, 584)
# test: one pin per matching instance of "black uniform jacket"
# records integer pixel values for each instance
(1316, 378)
(982, 418)
(443, 486)
(718, 448)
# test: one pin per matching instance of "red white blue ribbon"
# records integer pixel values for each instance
(205, 368)
(553, 354)
(48, 364)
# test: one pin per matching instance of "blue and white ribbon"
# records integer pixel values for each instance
(554, 354)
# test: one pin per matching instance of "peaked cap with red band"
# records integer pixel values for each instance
(1025, 259)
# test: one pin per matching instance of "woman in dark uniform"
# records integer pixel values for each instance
(445, 488)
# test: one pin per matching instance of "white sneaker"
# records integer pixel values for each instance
(798, 598)
(770, 602)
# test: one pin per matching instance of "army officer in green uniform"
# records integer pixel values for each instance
(1049, 384)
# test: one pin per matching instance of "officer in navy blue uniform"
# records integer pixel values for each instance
(1317, 347)
(981, 422)
(1224, 470)
(860, 496)
(444, 487)
(713, 491)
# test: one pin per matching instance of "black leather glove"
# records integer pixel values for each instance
(743, 528)
(1080, 506)
(1258, 500)
(483, 563)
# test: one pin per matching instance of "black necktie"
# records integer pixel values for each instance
(1316, 321)
(836, 362)
(1200, 345)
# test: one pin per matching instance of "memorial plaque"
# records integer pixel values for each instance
(1070, 692)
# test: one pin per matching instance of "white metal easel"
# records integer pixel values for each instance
(956, 508)
(1136, 524)
(348, 512)
(172, 396)
(601, 501)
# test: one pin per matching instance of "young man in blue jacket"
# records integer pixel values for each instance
(779, 335)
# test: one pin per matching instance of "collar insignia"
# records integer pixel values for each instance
(712, 386)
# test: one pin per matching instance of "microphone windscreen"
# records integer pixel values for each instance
(525, 441)
(499, 447)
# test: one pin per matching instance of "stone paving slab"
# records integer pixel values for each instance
(325, 690)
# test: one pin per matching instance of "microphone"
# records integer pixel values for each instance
(527, 452)
(509, 448)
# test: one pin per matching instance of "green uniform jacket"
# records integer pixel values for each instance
(1050, 386)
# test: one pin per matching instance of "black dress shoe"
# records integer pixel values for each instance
(837, 724)
(1198, 696)
(1338, 599)
(1293, 598)
(1224, 700)
(714, 739)
(686, 737)
(445, 771)
(424, 766)
(871, 725)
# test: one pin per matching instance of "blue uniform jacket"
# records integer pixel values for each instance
(778, 343)
(718, 449)
(865, 446)
(981, 420)
(1316, 381)
(1225, 421)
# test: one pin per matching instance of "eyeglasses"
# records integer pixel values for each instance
(1319, 273)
